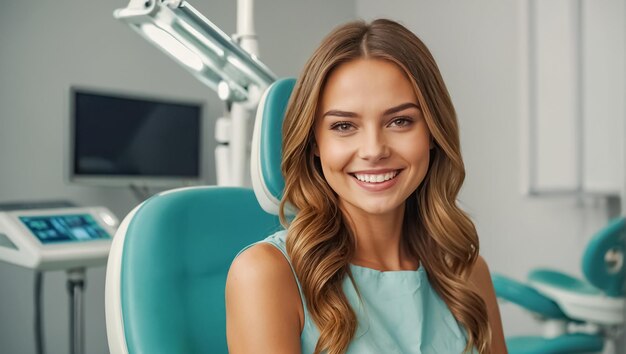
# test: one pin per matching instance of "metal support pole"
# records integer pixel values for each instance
(75, 288)
(241, 113)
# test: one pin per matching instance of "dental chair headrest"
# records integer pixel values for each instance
(604, 263)
(266, 157)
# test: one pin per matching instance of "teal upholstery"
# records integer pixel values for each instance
(610, 277)
(527, 297)
(569, 343)
(177, 252)
(271, 135)
(563, 281)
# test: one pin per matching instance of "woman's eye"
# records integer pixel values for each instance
(341, 126)
(401, 122)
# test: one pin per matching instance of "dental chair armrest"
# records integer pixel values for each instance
(526, 297)
(560, 280)
(577, 298)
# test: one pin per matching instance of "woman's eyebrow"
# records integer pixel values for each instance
(400, 108)
(338, 113)
(392, 110)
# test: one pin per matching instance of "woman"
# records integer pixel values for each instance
(378, 258)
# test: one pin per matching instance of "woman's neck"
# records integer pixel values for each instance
(379, 242)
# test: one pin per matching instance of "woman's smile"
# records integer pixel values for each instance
(376, 181)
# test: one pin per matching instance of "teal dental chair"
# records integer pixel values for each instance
(578, 315)
(167, 267)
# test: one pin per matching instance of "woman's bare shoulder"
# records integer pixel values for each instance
(261, 264)
(480, 279)
(263, 307)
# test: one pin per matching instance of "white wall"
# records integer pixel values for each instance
(478, 46)
(47, 46)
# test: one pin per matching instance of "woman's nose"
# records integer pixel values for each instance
(373, 146)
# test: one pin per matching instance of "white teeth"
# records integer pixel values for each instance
(375, 178)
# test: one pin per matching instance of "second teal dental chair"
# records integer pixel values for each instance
(169, 259)
(578, 315)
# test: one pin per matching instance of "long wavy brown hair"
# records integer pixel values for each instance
(320, 241)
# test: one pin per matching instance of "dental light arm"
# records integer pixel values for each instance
(215, 59)
(199, 45)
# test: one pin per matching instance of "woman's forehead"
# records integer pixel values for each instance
(366, 84)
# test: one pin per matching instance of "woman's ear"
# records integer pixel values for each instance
(431, 145)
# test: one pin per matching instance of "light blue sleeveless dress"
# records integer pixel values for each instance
(398, 312)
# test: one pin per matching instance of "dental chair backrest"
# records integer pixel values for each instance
(169, 259)
(604, 265)
(167, 269)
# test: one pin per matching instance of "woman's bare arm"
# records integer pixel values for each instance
(263, 306)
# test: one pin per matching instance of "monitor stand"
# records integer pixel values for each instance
(75, 288)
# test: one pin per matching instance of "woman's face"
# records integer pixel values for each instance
(371, 136)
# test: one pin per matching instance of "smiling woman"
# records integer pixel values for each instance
(378, 258)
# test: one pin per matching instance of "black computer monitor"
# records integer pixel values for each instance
(125, 140)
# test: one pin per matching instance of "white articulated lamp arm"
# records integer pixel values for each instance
(201, 47)
(228, 66)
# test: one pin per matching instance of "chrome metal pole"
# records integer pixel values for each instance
(75, 288)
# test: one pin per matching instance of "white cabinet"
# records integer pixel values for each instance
(575, 89)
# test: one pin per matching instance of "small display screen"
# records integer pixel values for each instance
(64, 228)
